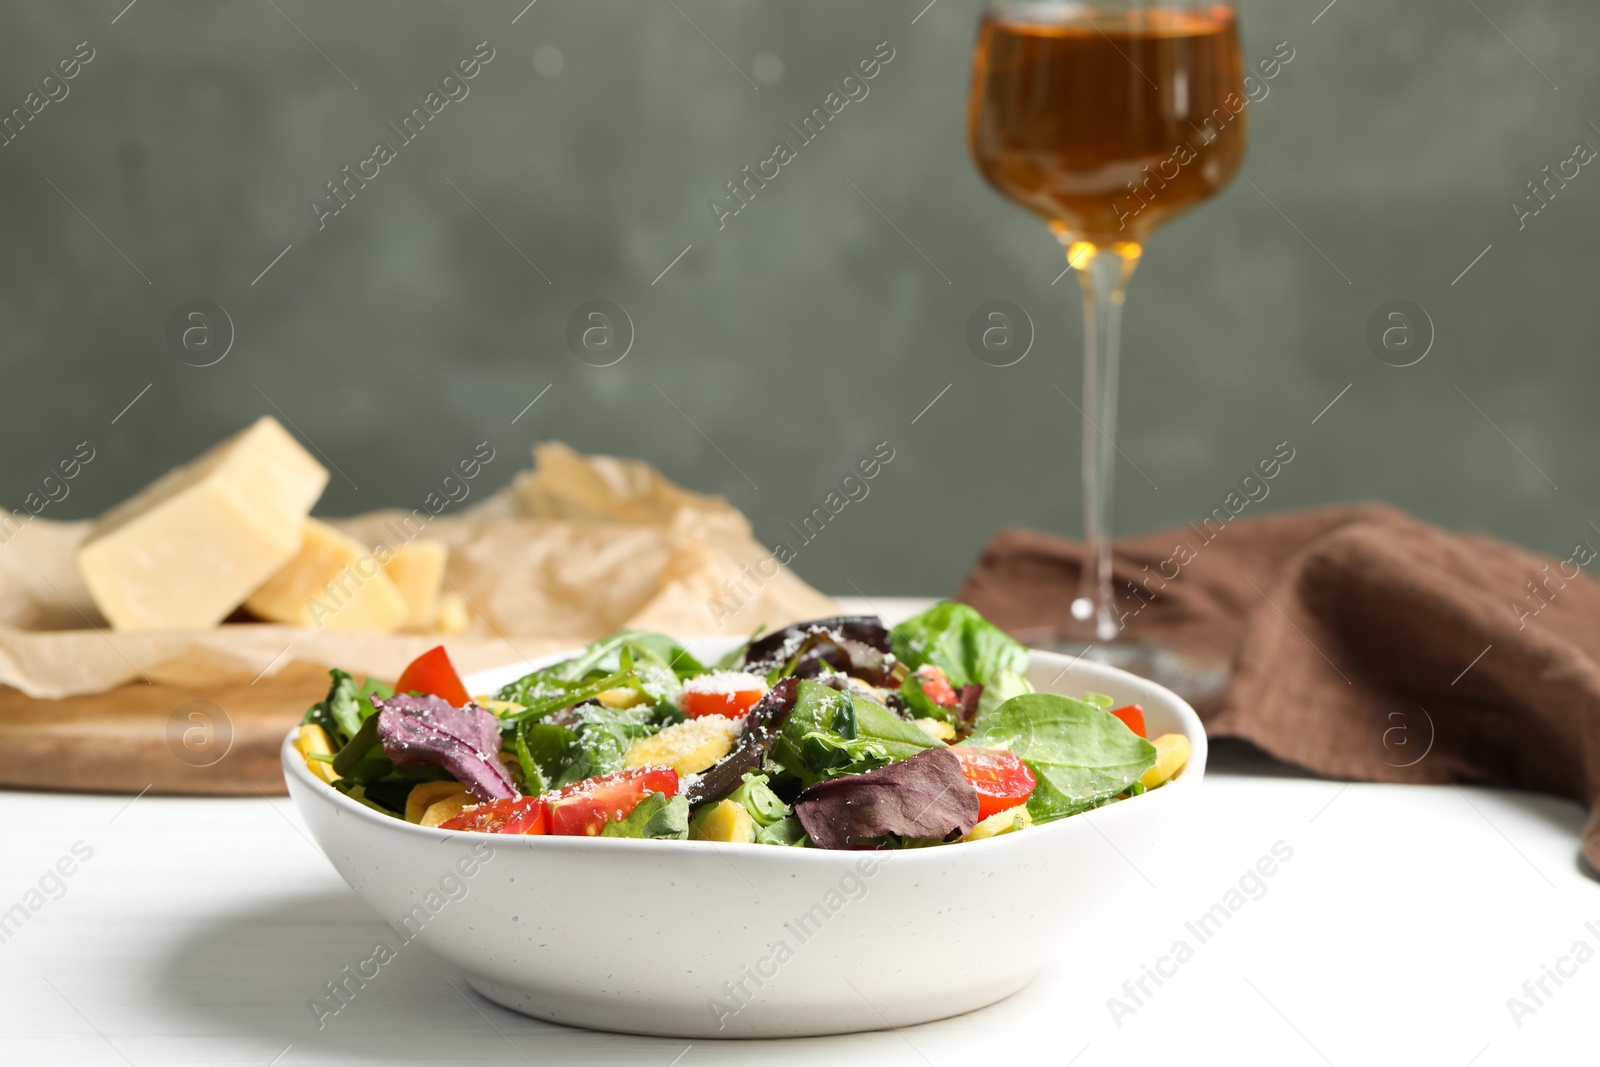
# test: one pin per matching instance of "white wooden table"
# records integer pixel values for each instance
(196, 931)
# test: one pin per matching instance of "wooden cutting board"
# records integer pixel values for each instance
(219, 741)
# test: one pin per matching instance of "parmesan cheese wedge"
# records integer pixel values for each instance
(184, 551)
(333, 583)
(417, 570)
(453, 617)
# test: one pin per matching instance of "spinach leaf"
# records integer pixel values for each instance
(390, 792)
(921, 706)
(655, 817)
(786, 831)
(605, 735)
(596, 741)
(1005, 685)
(369, 689)
(552, 749)
(902, 739)
(830, 733)
(1081, 755)
(953, 636)
(358, 792)
(362, 758)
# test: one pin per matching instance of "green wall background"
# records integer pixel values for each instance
(778, 351)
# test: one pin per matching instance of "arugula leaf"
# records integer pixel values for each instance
(1081, 755)
(342, 704)
(953, 636)
(655, 817)
(829, 734)
(661, 647)
(541, 696)
(533, 780)
(342, 712)
(605, 657)
(339, 712)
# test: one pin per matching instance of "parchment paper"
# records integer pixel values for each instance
(570, 551)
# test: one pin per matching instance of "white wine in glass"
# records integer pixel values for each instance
(1106, 119)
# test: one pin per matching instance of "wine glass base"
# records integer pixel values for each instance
(1192, 680)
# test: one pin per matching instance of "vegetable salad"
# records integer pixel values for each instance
(838, 733)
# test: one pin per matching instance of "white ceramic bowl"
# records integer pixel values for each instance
(700, 940)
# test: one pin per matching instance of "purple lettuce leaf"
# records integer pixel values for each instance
(924, 796)
(464, 741)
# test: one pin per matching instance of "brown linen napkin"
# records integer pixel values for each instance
(1363, 644)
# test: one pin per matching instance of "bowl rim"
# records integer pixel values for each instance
(1175, 791)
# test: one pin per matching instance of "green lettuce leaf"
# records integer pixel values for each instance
(1081, 755)
(956, 638)
(829, 733)
(655, 817)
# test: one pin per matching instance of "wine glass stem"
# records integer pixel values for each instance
(1103, 272)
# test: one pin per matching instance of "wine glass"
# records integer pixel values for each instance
(1107, 119)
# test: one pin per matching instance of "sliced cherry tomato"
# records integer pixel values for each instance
(1002, 780)
(582, 808)
(433, 673)
(514, 815)
(1133, 716)
(733, 704)
(936, 685)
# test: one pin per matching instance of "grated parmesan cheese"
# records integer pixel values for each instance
(725, 682)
